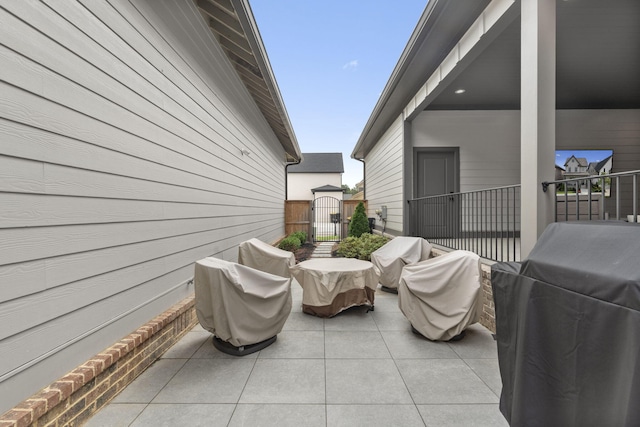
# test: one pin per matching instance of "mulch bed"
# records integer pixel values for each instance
(305, 251)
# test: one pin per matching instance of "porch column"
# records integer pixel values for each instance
(538, 113)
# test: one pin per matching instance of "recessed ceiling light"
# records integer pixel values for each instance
(459, 91)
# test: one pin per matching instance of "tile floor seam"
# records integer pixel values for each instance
(414, 405)
(481, 379)
(147, 404)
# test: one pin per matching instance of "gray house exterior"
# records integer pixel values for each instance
(488, 90)
(136, 138)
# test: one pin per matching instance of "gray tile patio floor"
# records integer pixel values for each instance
(356, 368)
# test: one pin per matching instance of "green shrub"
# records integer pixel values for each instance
(301, 235)
(349, 247)
(290, 243)
(361, 247)
(359, 222)
(370, 243)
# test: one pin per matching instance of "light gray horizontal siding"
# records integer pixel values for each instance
(122, 127)
(489, 143)
(384, 176)
(617, 130)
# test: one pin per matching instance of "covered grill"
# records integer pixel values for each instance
(568, 328)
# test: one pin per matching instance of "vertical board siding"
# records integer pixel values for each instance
(384, 176)
(121, 164)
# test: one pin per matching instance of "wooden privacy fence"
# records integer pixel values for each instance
(298, 215)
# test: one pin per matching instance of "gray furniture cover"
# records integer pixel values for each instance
(441, 297)
(394, 255)
(238, 304)
(262, 256)
(568, 328)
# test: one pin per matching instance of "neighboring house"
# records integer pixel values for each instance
(576, 167)
(603, 167)
(319, 174)
(360, 194)
(138, 136)
(486, 91)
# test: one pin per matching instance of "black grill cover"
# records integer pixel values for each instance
(568, 328)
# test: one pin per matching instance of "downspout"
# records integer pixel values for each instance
(286, 178)
(364, 178)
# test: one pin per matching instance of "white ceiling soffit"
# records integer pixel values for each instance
(233, 25)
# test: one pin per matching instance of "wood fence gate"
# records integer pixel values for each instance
(299, 217)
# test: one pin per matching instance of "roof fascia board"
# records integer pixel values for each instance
(387, 108)
(498, 15)
(247, 21)
(409, 51)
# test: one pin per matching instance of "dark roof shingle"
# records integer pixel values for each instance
(319, 163)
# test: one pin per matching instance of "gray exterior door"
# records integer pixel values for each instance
(437, 173)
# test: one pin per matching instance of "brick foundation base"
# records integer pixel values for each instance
(74, 398)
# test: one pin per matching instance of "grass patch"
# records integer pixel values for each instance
(327, 238)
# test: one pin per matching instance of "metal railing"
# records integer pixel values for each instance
(486, 222)
(596, 197)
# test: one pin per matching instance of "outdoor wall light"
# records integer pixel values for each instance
(245, 152)
(459, 91)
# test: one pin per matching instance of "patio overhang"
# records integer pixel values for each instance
(233, 25)
(475, 47)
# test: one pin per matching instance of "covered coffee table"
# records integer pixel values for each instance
(331, 285)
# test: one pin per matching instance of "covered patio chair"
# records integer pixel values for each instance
(262, 256)
(441, 297)
(243, 307)
(393, 256)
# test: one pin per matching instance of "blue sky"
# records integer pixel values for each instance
(331, 60)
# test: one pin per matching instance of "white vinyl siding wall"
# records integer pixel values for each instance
(301, 184)
(384, 176)
(122, 127)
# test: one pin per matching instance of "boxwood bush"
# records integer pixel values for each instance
(290, 243)
(301, 235)
(361, 247)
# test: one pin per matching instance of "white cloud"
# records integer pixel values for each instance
(351, 65)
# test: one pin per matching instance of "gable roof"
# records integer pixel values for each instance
(319, 163)
(581, 161)
(602, 163)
